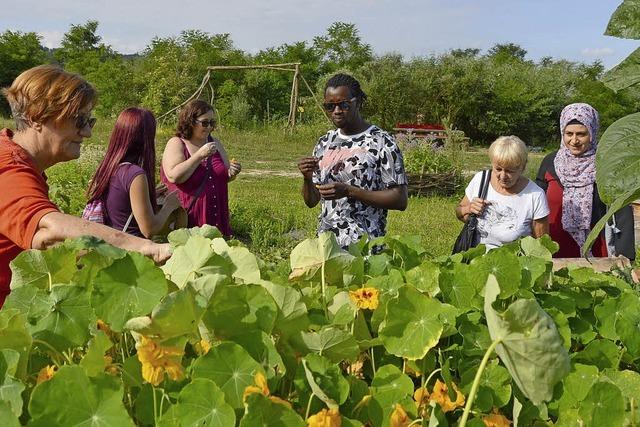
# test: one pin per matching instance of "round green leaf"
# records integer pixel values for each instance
(7, 417)
(603, 406)
(413, 323)
(531, 347)
(261, 347)
(201, 403)
(504, 265)
(326, 380)
(263, 412)
(194, 259)
(231, 368)
(79, 400)
(309, 257)
(333, 343)
(43, 268)
(129, 287)
(459, 286)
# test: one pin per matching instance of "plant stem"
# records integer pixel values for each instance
(476, 382)
(323, 286)
(306, 414)
(373, 361)
(50, 280)
(56, 353)
(155, 406)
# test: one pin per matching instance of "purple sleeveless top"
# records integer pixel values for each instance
(118, 201)
(212, 206)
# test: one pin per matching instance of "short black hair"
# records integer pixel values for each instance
(348, 81)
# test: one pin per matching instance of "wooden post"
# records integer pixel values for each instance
(293, 99)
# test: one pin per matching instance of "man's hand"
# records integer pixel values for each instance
(334, 190)
(307, 166)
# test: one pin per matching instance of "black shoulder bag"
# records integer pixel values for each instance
(468, 237)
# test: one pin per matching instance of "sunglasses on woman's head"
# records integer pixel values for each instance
(344, 105)
(82, 120)
(206, 123)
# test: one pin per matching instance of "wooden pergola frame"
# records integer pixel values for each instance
(288, 67)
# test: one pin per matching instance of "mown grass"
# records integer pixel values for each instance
(267, 210)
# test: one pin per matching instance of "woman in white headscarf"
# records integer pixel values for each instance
(568, 177)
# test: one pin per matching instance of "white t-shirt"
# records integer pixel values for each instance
(508, 218)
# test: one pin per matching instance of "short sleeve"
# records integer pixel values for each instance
(391, 163)
(23, 202)
(128, 173)
(540, 205)
(472, 188)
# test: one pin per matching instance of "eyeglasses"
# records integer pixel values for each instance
(344, 105)
(82, 120)
(206, 123)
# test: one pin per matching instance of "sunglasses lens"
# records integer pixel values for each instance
(330, 106)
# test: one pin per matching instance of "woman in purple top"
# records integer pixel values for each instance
(197, 165)
(125, 179)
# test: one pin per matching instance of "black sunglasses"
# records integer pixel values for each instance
(83, 120)
(344, 105)
(206, 123)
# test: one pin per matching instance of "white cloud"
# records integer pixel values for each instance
(598, 51)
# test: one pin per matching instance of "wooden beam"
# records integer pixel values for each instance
(247, 67)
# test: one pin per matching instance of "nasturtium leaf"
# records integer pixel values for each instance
(388, 387)
(325, 380)
(494, 389)
(178, 313)
(333, 343)
(603, 406)
(15, 336)
(536, 272)
(10, 388)
(96, 255)
(559, 301)
(261, 411)
(413, 323)
(181, 237)
(45, 268)
(581, 330)
(602, 353)
(7, 417)
(475, 338)
(530, 345)
(206, 285)
(387, 284)
(194, 259)
(129, 287)
(628, 325)
(543, 247)
(292, 312)
(576, 385)
(425, 277)
(309, 257)
(231, 368)
(261, 347)
(237, 308)
(460, 286)
(64, 317)
(201, 403)
(562, 323)
(79, 400)
(93, 361)
(378, 265)
(407, 248)
(245, 263)
(504, 265)
(625, 21)
(627, 381)
(342, 309)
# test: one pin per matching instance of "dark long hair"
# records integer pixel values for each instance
(132, 140)
(188, 116)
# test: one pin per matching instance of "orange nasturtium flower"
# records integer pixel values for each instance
(365, 298)
(202, 347)
(440, 395)
(496, 419)
(157, 359)
(262, 387)
(325, 418)
(399, 417)
(46, 373)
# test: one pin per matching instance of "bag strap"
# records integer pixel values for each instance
(126, 225)
(484, 184)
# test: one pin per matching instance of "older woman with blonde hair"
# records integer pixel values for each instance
(52, 111)
(514, 206)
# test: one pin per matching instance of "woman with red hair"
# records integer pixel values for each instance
(125, 180)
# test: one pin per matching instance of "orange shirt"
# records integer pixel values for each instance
(24, 200)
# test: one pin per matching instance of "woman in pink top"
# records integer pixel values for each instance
(197, 166)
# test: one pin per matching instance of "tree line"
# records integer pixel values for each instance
(485, 94)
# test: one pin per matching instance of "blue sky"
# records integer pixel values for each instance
(566, 29)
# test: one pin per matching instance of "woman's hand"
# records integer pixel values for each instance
(207, 150)
(477, 206)
(307, 166)
(234, 168)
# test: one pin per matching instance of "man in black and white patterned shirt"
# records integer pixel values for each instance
(357, 170)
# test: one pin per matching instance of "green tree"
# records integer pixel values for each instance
(342, 47)
(507, 52)
(18, 52)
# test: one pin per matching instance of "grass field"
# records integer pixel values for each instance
(267, 210)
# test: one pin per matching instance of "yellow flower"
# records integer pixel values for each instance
(325, 418)
(46, 373)
(156, 360)
(440, 395)
(276, 399)
(496, 419)
(421, 396)
(202, 347)
(365, 298)
(399, 417)
(260, 386)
